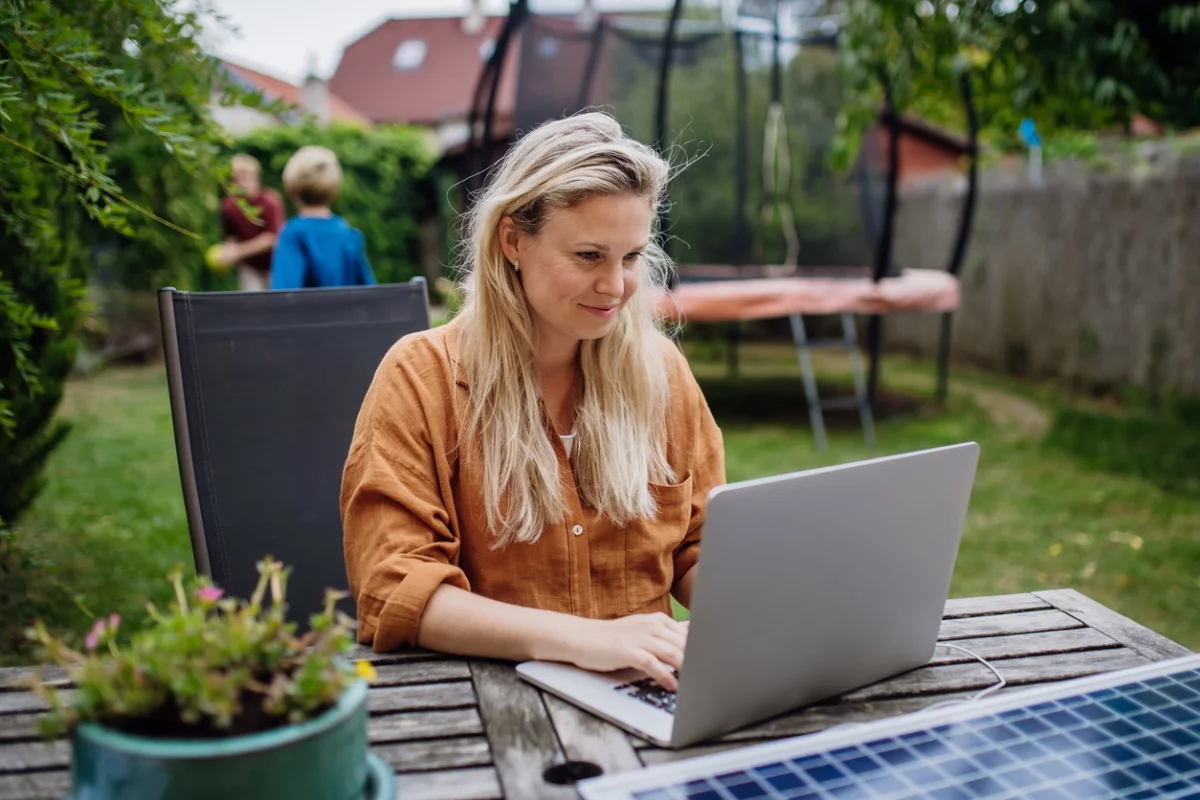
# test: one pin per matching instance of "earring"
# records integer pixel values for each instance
(517, 264)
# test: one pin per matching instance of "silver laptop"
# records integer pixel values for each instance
(810, 585)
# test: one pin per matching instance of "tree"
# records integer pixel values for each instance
(71, 76)
(1068, 64)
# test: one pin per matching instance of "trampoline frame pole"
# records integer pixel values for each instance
(660, 121)
(883, 253)
(964, 230)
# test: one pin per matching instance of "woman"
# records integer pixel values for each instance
(529, 481)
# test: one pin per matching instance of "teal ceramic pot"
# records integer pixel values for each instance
(325, 757)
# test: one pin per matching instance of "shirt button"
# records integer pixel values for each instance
(577, 530)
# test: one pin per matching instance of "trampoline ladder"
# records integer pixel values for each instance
(817, 406)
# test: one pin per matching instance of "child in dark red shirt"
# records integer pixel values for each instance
(250, 240)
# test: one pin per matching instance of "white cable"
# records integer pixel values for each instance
(999, 684)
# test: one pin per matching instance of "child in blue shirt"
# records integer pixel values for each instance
(317, 248)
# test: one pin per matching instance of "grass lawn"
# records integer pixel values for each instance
(1094, 496)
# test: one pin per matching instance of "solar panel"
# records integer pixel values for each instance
(1130, 734)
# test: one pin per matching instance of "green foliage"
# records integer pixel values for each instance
(208, 667)
(385, 190)
(1067, 64)
(73, 76)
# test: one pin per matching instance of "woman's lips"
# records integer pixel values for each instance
(604, 312)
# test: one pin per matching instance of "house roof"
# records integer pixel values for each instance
(922, 129)
(440, 89)
(278, 89)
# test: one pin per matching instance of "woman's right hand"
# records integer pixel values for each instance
(650, 643)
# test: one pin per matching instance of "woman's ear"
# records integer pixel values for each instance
(510, 239)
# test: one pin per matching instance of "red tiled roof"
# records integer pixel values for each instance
(277, 89)
(441, 89)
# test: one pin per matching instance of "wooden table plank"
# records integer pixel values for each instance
(466, 751)
(654, 755)
(364, 653)
(410, 673)
(422, 697)
(24, 702)
(932, 680)
(17, 678)
(996, 604)
(995, 648)
(1138, 638)
(1007, 624)
(36, 755)
(480, 783)
(18, 726)
(830, 715)
(407, 726)
(35, 785)
(520, 731)
(586, 737)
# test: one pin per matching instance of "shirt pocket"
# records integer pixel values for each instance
(650, 547)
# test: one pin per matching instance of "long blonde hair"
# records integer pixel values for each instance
(619, 446)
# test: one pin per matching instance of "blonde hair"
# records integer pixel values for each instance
(313, 176)
(247, 161)
(619, 448)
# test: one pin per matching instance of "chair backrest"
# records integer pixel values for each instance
(265, 389)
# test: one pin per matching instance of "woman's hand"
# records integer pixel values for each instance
(650, 643)
(456, 621)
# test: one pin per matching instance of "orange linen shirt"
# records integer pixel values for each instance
(412, 507)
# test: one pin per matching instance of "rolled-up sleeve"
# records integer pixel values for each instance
(708, 471)
(398, 538)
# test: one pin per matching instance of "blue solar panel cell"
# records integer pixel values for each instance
(1135, 738)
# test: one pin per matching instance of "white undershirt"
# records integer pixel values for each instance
(568, 441)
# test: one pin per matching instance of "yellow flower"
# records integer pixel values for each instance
(365, 670)
(1056, 549)
(1136, 543)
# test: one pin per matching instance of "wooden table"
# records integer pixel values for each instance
(459, 728)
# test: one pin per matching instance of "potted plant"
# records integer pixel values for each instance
(217, 698)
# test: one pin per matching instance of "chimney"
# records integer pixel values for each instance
(314, 94)
(474, 21)
(314, 98)
(587, 18)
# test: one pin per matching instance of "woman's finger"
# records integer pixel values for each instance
(661, 673)
(666, 652)
(674, 637)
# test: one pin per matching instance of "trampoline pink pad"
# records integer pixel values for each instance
(914, 290)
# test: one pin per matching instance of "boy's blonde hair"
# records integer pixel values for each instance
(313, 176)
(619, 446)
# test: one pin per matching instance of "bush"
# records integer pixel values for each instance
(78, 83)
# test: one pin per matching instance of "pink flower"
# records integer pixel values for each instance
(114, 621)
(210, 594)
(93, 637)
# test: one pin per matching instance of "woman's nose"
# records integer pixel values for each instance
(611, 280)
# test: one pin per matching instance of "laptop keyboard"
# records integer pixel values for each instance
(650, 693)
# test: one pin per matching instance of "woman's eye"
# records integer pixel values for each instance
(590, 255)
(631, 257)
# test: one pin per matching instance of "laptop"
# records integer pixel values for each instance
(810, 585)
